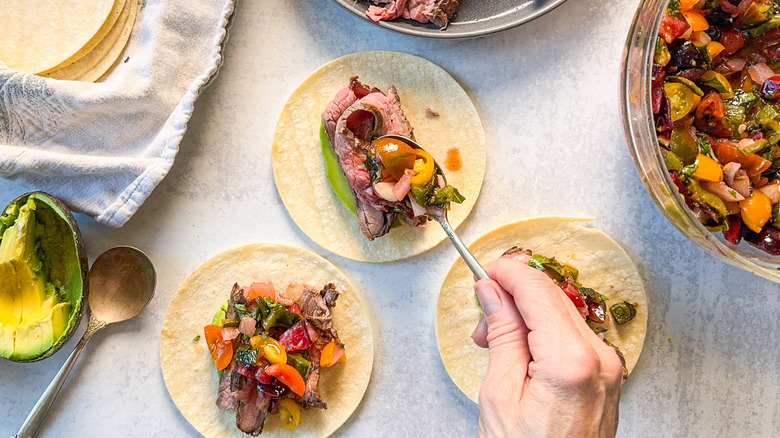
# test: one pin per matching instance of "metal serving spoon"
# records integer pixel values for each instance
(467, 257)
(121, 283)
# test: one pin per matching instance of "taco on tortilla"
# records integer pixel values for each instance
(597, 272)
(434, 107)
(221, 393)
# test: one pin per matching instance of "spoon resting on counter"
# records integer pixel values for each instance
(121, 284)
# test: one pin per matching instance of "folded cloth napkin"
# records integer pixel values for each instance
(103, 147)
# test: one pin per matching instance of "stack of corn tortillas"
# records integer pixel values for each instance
(65, 39)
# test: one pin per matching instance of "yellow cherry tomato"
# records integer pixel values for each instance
(756, 210)
(274, 352)
(332, 354)
(257, 342)
(682, 99)
(289, 413)
(423, 168)
(707, 169)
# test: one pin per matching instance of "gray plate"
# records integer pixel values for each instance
(474, 18)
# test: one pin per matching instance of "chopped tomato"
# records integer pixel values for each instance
(571, 291)
(727, 151)
(332, 354)
(732, 41)
(671, 28)
(296, 337)
(710, 116)
(288, 375)
(260, 289)
(221, 350)
(396, 156)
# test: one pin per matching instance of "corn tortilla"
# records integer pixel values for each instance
(298, 166)
(189, 372)
(41, 35)
(103, 55)
(603, 265)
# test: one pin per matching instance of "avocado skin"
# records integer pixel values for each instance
(77, 272)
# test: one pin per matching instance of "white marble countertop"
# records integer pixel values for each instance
(547, 93)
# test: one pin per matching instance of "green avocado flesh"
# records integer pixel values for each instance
(35, 306)
(338, 181)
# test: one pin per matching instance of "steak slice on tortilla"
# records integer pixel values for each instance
(352, 120)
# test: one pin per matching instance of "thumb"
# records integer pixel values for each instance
(506, 330)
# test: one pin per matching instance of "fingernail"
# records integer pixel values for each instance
(488, 297)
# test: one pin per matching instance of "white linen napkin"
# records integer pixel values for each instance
(103, 147)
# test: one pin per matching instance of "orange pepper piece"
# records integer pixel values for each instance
(696, 20)
(332, 354)
(756, 210)
(707, 169)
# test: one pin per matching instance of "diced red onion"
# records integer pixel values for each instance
(730, 171)
(402, 187)
(741, 183)
(735, 64)
(417, 209)
(723, 191)
(760, 73)
(440, 180)
(247, 326)
(229, 333)
(701, 37)
(385, 190)
(772, 190)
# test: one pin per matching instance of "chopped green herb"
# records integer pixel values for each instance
(590, 293)
(196, 338)
(246, 355)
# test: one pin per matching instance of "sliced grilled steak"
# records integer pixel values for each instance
(368, 114)
(437, 12)
(519, 254)
(251, 414)
(225, 398)
(315, 306)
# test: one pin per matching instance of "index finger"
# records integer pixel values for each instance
(537, 298)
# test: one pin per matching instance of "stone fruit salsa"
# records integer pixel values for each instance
(715, 99)
(269, 348)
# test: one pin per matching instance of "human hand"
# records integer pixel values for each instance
(549, 374)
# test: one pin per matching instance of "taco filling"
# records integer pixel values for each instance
(389, 178)
(269, 348)
(589, 303)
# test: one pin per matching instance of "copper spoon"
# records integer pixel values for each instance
(121, 283)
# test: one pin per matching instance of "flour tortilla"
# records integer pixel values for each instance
(41, 35)
(98, 60)
(187, 367)
(298, 165)
(603, 265)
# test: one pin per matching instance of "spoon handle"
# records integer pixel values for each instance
(38, 414)
(471, 262)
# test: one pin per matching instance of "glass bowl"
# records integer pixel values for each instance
(639, 129)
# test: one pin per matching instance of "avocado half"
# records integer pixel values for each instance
(43, 277)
